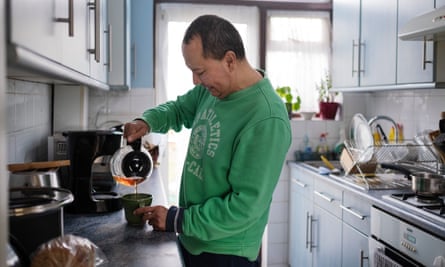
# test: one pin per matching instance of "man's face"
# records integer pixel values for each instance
(215, 75)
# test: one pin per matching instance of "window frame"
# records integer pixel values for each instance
(263, 6)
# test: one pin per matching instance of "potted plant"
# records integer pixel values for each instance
(292, 102)
(328, 106)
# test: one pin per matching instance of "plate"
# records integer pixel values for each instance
(361, 138)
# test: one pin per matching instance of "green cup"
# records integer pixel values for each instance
(132, 202)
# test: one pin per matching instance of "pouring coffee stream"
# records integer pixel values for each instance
(131, 164)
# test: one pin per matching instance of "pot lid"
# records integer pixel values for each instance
(36, 200)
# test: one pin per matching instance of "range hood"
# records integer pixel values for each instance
(425, 27)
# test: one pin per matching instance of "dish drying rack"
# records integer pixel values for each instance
(418, 155)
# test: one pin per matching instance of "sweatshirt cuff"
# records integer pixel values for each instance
(174, 219)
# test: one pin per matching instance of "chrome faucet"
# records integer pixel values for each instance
(383, 117)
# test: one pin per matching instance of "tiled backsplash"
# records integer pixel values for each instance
(107, 109)
(28, 120)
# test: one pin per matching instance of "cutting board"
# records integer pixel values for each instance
(17, 167)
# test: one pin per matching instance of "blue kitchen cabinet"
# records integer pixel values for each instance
(142, 21)
(131, 44)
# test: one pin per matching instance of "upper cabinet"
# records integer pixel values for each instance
(369, 56)
(364, 42)
(414, 59)
(131, 44)
(60, 39)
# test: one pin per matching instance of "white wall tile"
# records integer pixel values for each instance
(277, 254)
(279, 212)
(28, 123)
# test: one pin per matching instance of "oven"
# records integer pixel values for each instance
(396, 243)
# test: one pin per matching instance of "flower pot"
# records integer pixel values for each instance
(328, 110)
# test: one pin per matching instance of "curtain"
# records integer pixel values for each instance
(298, 52)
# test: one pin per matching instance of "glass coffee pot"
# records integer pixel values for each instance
(131, 164)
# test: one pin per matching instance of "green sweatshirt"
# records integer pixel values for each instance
(236, 152)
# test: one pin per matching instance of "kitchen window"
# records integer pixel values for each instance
(295, 52)
(298, 52)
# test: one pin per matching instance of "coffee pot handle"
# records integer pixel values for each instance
(136, 144)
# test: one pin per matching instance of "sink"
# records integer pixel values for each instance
(319, 163)
(381, 181)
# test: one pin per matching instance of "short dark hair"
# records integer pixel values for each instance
(217, 36)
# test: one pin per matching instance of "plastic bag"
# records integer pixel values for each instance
(68, 251)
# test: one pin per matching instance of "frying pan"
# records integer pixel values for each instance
(423, 183)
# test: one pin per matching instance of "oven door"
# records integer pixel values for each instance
(382, 255)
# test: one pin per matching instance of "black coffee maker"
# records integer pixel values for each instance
(90, 180)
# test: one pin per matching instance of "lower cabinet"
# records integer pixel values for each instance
(301, 219)
(355, 247)
(327, 240)
(329, 225)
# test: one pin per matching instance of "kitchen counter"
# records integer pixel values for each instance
(375, 197)
(125, 245)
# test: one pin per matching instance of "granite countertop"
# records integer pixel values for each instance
(375, 197)
(123, 244)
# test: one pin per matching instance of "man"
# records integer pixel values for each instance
(239, 140)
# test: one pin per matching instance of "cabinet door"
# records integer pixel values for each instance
(99, 37)
(142, 43)
(74, 47)
(355, 247)
(32, 26)
(327, 238)
(378, 42)
(300, 229)
(412, 55)
(120, 69)
(345, 43)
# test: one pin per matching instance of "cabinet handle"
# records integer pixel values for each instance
(96, 50)
(70, 19)
(299, 183)
(310, 242)
(324, 196)
(356, 214)
(354, 45)
(424, 55)
(362, 258)
(108, 63)
(133, 60)
(362, 57)
(307, 229)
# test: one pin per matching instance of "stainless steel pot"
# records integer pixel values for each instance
(35, 178)
(423, 182)
(428, 184)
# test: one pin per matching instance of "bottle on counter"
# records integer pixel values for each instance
(323, 147)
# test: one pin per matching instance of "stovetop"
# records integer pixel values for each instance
(433, 208)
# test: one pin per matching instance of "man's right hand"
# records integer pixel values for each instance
(135, 129)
